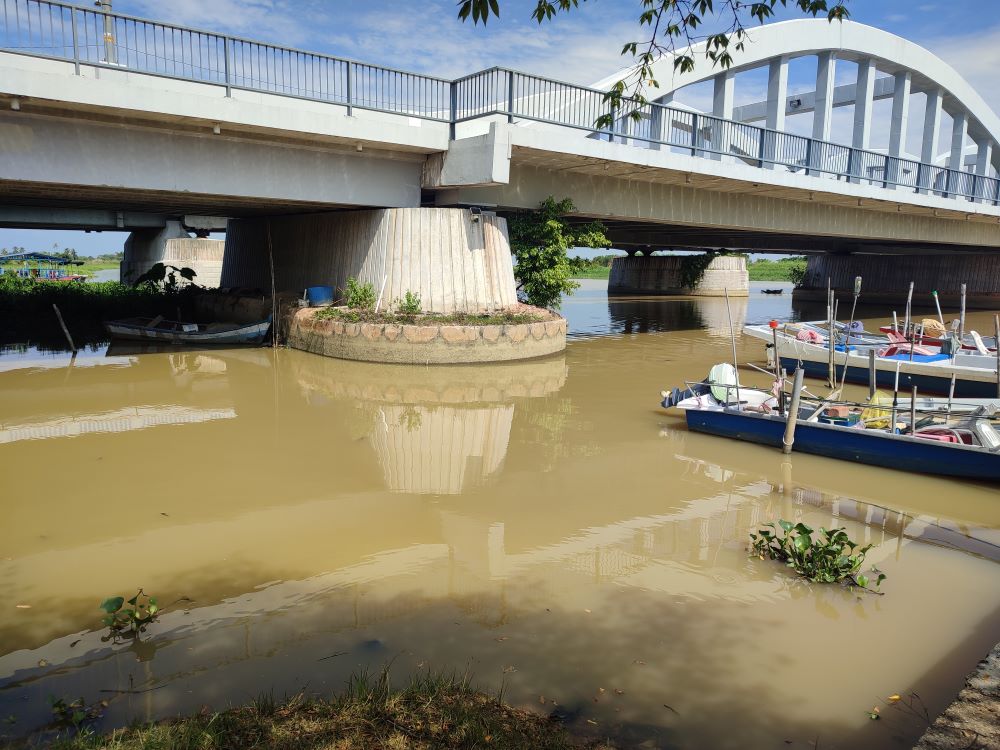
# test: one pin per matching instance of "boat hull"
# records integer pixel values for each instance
(849, 444)
(246, 335)
(925, 383)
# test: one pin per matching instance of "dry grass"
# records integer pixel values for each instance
(432, 712)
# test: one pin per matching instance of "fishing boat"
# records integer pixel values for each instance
(962, 443)
(899, 365)
(175, 332)
(43, 267)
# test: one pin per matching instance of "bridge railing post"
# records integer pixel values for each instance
(694, 134)
(510, 96)
(996, 192)
(885, 172)
(761, 148)
(76, 44)
(349, 91)
(809, 155)
(225, 54)
(453, 106)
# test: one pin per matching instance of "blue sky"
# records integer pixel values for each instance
(582, 46)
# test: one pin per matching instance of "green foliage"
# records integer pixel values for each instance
(130, 621)
(164, 276)
(26, 307)
(74, 714)
(830, 558)
(590, 268)
(673, 27)
(785, 269)
(430, 319)
(359, 296)
(410, 304)
(693, 267)
(539, 240)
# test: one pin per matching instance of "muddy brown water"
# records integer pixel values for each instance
(542, 526)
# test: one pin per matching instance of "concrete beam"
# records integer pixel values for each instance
(984, 157)
(480, 160)
(826, 68)
(843, 96)
(34, 217)
(898, 124)
(78, 153)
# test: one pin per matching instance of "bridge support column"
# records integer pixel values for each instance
(672, 275)
(826, 68)
(777, 100)
(984, 157)
(172, 246)
(863, 101)
(722, 106)
(956, 162)
(455, 260)
(897, 126)
(887, 279)
(928, 150)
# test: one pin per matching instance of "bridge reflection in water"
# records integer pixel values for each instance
(525, 521)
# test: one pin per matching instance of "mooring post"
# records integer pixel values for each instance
(793, 413)
(65, 330)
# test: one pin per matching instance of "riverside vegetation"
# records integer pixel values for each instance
(360, 302)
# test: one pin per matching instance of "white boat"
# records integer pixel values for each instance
(174, 332)
(975, 375)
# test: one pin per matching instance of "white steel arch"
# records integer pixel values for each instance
(914, 68)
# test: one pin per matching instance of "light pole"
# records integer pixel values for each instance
(109, 32)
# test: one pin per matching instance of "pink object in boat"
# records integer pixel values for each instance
(810, 336)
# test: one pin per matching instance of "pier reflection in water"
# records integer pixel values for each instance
(540, 524)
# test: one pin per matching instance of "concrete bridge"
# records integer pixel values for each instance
(114, 122)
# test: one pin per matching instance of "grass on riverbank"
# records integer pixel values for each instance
(26, 306)
(785, 269)
(431, 712)
(355, 315)
(593, 272)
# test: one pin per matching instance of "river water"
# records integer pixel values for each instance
(542, 525)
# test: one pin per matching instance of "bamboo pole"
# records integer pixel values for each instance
(732, 336)
(831, 339)
(871, 374)
(65, 330)
(909, 306)
(274, 296)
(850, 327)
(996, 345)
(913, 411)
(788, 439)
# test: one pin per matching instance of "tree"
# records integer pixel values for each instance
(667, 24)
(539, 240)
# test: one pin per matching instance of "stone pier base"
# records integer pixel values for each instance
(886, 278)
(668, 274)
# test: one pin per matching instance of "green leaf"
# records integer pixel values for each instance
(803, 529)
(113, 604)
(786, 525)
(862, 580)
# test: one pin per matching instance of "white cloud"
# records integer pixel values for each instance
(976, 56)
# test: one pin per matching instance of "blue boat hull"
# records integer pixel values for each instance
(862, 446)
(887, 378)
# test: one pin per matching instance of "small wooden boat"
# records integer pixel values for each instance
(806, 345)
(956, 440)
(175, 332)
(772, 291)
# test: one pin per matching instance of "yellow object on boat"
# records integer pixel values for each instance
(874, 417)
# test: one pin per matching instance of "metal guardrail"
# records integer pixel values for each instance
(48, 28)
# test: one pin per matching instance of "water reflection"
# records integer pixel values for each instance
(435, 431)
(541, 524)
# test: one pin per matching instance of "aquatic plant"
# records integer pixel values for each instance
(410, 304)
(164, 276)
(831, 557)
(359, 296)
(74, 714)
(130, 621)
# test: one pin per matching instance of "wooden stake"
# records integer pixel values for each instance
(732, 336)
(65, 330)
(996, 345)
(274, 296)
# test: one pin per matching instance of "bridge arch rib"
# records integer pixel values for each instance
(909, 69)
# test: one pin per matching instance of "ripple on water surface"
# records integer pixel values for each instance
(540, 523)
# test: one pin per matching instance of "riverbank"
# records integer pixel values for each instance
(27, 314)
(971, 721)
(431, 712)
(784, 269)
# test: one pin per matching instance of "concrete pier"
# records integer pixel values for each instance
(886, 279)
(454, 259)
(665, 274)
(173, 246)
